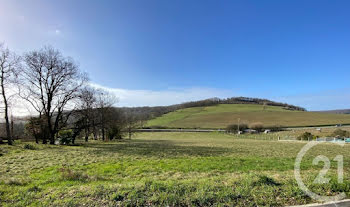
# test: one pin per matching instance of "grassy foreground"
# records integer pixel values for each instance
(222, 115)
(165, 169)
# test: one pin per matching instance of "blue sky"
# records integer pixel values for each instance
(162, 52)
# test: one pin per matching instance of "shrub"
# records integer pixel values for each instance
(341, 133)
(306, 136)
(29, 147)
(114, 133)
(65, 137)
(257, 126)
(233, 128)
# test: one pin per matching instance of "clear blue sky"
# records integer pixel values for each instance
(293, 51)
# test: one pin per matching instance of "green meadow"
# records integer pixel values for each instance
(222, 115)
(165, 169)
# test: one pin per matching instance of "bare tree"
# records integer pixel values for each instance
(50, 83)
(105, 102)
(87, 103)
(9, 65)
(132, 121)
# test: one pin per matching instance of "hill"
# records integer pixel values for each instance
(147, 112)
(221, 115)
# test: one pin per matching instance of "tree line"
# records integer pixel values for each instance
(64, 103)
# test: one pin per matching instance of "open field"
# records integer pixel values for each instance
(175, 169)
(224, 114)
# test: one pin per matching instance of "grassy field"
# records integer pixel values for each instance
(164, 169)
(222, 115)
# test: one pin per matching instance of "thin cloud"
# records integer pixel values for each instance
(134, 98)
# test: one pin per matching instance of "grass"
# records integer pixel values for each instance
(222, 115)
(164, 169)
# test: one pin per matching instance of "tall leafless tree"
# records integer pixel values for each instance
(50, 83)
(105, 102)
(87, 104)
(9, 65)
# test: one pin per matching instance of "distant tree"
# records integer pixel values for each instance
(9, 66)
(50, 84)
(306, 136)
(341, 133)
(114, 124)
(104, 105)
(234, 128)
(257, 126)
(87, 103)
(132, 121)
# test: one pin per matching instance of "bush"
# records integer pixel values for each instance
(65, 137)
(114, 133)
(233, 128)
(29, 147)
(306, 136)
(257, 126)
(341, 133)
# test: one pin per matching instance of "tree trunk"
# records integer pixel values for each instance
(52, 139)
(103, 124)
(8, 131)
(43, 133)
(7, 122)
(51, 131)
(103, 133)
(87, 132)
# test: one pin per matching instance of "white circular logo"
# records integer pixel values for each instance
(320, 178)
